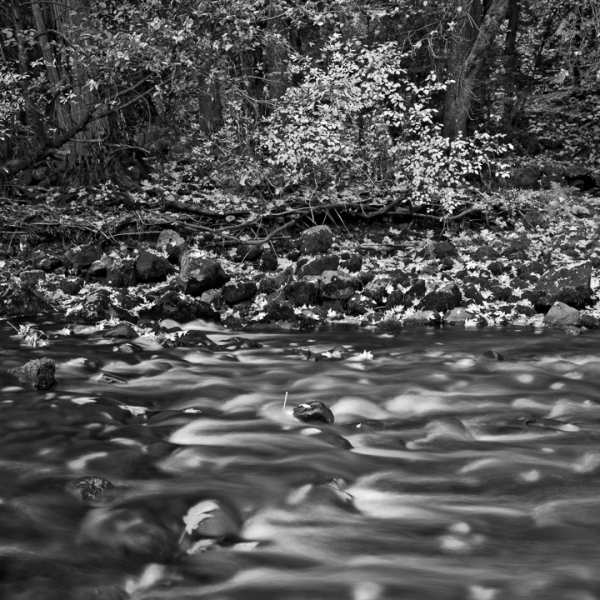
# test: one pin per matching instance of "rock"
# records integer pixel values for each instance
(197, 275)
(306, 292)
(444, 249)
(22, 301)
(89, 487)
(313, 411)
(248, 252)
(377, 289)
(352, 262)
(122, 273)
(589, 321)
(172, 243)
(171, 305)
(423, 317)
(270, 283)
(317, 264)
(31, 278)
(316, 240)
(121, 331)
(495, 268)
(527, 177)
(338, 286)
(211, 519)
(238, 291)
(38, 372)
(81, 257)
(561, 314)
(268, 261)
(570, 285)
(150, 267)
(279, 311)
(442, 299)
(492, 355)
(128, 348)
(111, 379)
(129, 531)
(458, 316)
(484, 252)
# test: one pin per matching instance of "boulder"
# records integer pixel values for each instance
(570, 285)
(39, 373)
(315, 265)
(316, 240)
(443, 299)
(197, 275)
(151, 267)
(313, 411)
(339, 286)
(562, 314)
(268, 261)
(237, 291)
(444, 249)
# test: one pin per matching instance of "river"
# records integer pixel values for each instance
(447, 474)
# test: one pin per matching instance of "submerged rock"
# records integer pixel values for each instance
(38, 372)
(313, 411)
(89, 487)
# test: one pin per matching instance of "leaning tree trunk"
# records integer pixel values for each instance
(467, 58)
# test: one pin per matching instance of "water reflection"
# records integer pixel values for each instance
(446, 474)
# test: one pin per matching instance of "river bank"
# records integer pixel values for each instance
(316, 265)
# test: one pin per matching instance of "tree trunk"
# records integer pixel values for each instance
(466, 61)
(511, 65)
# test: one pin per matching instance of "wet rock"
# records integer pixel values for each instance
(111, 379)
(458, 316)
(238, 291)
(89, 487)
(150, 267)
(122, 273)
(571, 330)
(268, 261)
(18, 300)
(352, 262)
(561, 314)
(210, 518)
(172, 243)
(315, 265)
(38, 372)
(492, 355)
(129, 531)
(198, 275)
(313, 411)
(306, 292)
(572, 286)
(121, 331)
(81, 257)
(128, 348)
(97, 306)
(442, 299)
(423, 317)
(390, 325)
(248, 252)
(316, 240)
(339, 286)
(31, 278)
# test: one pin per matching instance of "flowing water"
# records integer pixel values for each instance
(446, 474)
